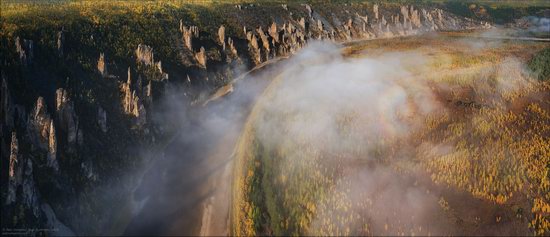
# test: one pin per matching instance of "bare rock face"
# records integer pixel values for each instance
(15, 170)
(253, 47)
(265, 40)
(52, 148)
(6, 103)
(41, 131)
(188, 33)
(144, 54)
(66, 116)
(221, 36)
(375, 10)
(132, 104)
(415, 17)
(60, 42)
(101, 65)
(201, 57)
(309, 10)
(158, 65)
(348, 26)
(40, 122)
(102, 119)
(25, 50)
(21, 174)
(232, 47)
(302, 24)
(273, 32)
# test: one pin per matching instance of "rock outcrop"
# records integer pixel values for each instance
(131, 102)
(21, 175)
(60, 42)
(309, 10)
(232, 48)
(67, 118)
(188, 33)
(15, 170)
(25, 49)
(253, 47)
(101, 65)
(200, 56)
(6, 109)
(145, 56)
(52, 148)
(42, 132)
(221, 36)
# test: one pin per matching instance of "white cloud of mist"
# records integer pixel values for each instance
(538, 24)
(336, 105)
(342, 110)
(319, 85)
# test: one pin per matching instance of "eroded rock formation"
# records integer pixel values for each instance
(21, 175)
(15, 170)
(66, 116)
(60, 42)
(188, 33)
(221, 36)
(200, 56)
(144, 54)
(101, 65)
(6, 109)
(131, 102)
(25, 49)
(232, 48)
(42, 132)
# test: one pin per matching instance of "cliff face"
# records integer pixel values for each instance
(42, 132)
(91, 87)
(292, 29)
